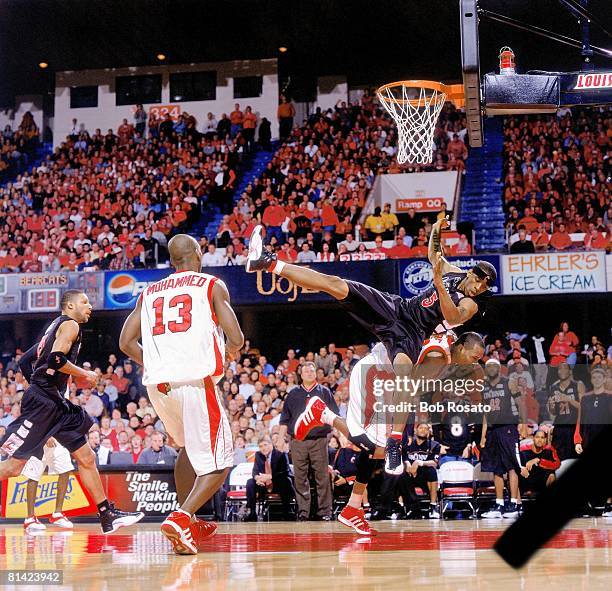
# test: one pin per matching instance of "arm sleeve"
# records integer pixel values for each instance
(26, 363)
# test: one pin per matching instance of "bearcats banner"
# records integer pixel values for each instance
(42, 292)
(554, 272)
(416, 275)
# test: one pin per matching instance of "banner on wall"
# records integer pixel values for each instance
(421, 191)
(416, 275)
(14, 499)
(42, 292)
(122, 288)
(149, 489)
(554, 272)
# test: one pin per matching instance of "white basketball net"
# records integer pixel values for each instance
(415, 117)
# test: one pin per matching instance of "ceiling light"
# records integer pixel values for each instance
(161, 57)
(43, 65)
(282, 49)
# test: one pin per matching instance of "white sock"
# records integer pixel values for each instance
(513, 501)
(499, 502)
(278, 267)
(185, 512)
(355, 500)
(55, 514)
(328, 416)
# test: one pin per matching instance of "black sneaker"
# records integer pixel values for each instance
(511, 511)
(378, 515)
(413, 513)
(393, 457)
(433, 512)
(258, 259)
(112, 519)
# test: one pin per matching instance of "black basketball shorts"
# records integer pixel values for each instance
(378, 312)
(44, 416)
(501, 450)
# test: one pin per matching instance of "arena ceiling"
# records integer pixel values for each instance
(370, 41)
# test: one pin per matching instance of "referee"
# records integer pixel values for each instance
(312, 452)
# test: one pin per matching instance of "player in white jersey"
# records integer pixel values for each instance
(186, 325)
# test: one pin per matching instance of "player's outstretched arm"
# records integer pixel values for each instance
(227, 317)
(129, 339)
(435, 247)
(65, 337)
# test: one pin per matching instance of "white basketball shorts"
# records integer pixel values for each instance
(195, 418)
(363, 416)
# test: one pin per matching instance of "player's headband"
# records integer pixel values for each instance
(483, 274)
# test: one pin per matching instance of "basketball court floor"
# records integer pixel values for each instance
(453, 555)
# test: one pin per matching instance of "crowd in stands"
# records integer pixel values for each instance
(254, 388)
(311, 195)
(111, 200)
(557, 171)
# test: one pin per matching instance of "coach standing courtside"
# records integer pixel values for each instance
(312, 452)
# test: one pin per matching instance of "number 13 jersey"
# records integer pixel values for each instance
(181, 338)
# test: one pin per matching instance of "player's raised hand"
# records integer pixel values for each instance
(438, 267)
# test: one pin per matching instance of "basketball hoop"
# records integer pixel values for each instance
(415, 106)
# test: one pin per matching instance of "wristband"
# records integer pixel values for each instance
(57, 360)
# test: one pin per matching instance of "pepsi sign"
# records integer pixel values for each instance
(122, 288)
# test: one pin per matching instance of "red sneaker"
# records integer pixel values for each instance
(176, 528)
(310, 418)
(352, 517)
(202, 530)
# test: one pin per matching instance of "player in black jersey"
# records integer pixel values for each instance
(595, 411)
(539, 465)
(500, 438)
(563, 404)
(401, 324)
(46, 413)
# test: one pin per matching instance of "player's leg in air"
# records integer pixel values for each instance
(375, 310)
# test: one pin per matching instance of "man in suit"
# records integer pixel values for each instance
(271, 474)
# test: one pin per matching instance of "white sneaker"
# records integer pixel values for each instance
(60, 520)
(32, 525)
(433, 512)
(496, 513)
(607, 513)
(255, 248)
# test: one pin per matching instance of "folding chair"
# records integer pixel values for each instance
(484, 488)
(236, 496)
(456, 485)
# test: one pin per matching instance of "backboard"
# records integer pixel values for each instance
(498, 93)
